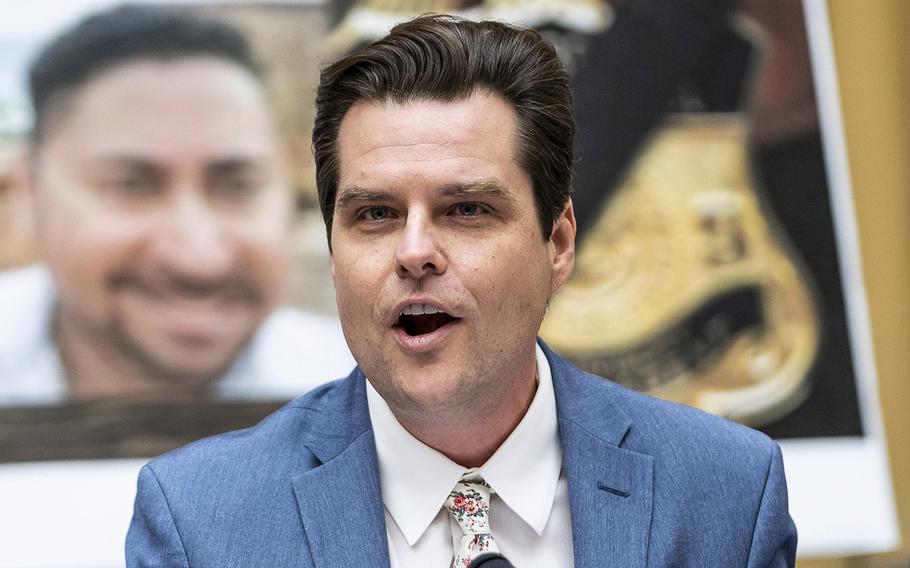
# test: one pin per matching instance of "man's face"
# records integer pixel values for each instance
(162, 210)
(433, 214)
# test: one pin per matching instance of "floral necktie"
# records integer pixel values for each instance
(469, 505)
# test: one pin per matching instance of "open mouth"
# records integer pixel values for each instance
(420, 319)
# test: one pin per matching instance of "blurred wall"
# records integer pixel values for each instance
(872, 52)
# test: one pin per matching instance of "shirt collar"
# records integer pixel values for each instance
(524, 471)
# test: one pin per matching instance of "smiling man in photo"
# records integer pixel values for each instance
(157, 196)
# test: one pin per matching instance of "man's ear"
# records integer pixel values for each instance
(562, 247)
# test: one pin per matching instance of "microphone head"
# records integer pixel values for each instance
(491, 560)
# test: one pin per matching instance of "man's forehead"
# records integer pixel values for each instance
(184, 94)
(442, 116)
(190, 69)
(427, 130)
(134, 115)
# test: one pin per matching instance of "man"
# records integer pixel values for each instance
(443, 157)
(160, 208)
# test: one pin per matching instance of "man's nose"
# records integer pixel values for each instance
(193, 241)
(419, 254)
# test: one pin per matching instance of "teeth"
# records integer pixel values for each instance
(420, 309)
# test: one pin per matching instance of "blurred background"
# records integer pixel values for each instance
(743, 216)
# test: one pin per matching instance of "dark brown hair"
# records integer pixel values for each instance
(444, 58)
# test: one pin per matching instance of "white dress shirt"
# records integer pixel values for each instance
(529, 510)
(291, 352)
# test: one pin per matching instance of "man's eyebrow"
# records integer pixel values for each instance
(351, 193)
(138, 164)
(229, 166)
(475, 190)
(479, 189)
(125, 160)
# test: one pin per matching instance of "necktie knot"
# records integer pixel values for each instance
(469, 504)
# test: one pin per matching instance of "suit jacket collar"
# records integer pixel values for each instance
(340, 501)
(610, 487)
(590, 404)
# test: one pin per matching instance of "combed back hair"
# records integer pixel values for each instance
(445, 58)
(122, 35)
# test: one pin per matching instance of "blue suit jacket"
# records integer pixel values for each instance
(651, 483)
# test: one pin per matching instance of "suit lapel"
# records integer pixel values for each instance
(610, 488)
(340, 501)
(610, 499)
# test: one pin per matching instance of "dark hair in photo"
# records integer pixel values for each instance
(445, 58)
(121, 35)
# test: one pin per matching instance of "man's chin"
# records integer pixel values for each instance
(191, 364)
(436, 392)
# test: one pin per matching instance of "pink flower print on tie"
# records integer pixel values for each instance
(469, 505)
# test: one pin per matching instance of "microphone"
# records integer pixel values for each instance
(491, 560)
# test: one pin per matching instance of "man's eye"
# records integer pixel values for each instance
(468, 209)
(235, 187)
(131, 187)
(377, 213)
